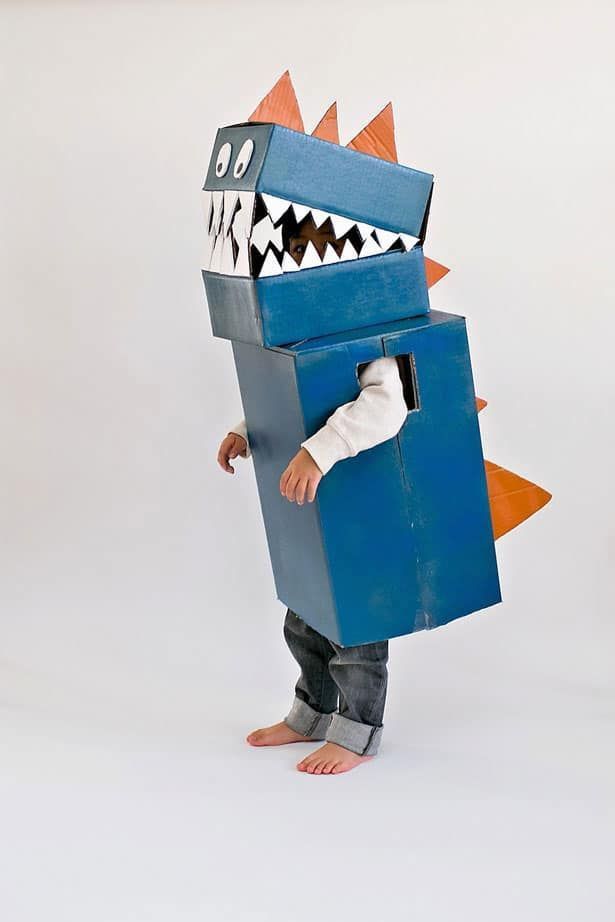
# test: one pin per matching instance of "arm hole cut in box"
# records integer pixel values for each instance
(407, 373)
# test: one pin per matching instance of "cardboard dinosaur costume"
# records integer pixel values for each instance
(301, 334)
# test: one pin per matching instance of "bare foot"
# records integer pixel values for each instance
(277, 735)
(331, 759)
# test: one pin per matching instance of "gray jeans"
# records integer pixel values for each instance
(341, 691)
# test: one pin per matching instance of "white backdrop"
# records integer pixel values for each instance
(139, 634)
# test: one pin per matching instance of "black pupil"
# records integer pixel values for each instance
(240, 166)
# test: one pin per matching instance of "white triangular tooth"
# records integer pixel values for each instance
(242, 266)
(216, 256)
(386, 238)
(271, 266)
(227, 263)
(364, 229)
(275, 206)
(264, 232)
(289, 264)
(217, 198)
(300, 211)
(341, 225)
(330, 255)
(242, 225)
(207, 207)
(230, 202)
(209, 245)
(319, 216)
(348, 252)
(408, 240)
(370, 248)
(310, 257)
(276, 238)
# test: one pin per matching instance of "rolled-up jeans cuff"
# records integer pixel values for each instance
(305, 720)
(363, 739)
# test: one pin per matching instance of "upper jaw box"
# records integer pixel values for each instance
(265, 184)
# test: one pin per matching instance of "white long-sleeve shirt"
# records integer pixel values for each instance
(377, 414)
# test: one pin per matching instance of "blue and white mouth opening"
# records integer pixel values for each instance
(249, 235)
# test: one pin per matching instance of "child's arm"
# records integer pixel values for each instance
(376, 415)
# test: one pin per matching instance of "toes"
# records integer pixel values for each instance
(317, 763)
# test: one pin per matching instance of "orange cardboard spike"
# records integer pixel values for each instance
(480, 404)
(512, 498)
(280, 106)
(327, 129)
(378, 137)
(434, 271)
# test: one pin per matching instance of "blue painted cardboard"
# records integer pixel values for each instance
(298, 167)
(399, 537)
(317, 302)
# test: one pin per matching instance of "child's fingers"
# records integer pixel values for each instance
(300, 491)
(291, 486)
(311, 489)
(238, 445)
(231, 448)
(284, 481)
(223, 462)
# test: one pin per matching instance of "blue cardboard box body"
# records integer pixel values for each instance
(399, 537)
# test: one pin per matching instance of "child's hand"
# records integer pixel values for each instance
(230, 447)
(301, 478)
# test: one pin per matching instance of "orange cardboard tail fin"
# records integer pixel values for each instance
(512, 498)
(434, 271)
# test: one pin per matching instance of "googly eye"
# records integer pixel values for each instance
(224, 158)
(243, 158)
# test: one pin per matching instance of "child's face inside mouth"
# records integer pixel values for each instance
(319, 236)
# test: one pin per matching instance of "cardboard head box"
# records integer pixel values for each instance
(285, 211)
